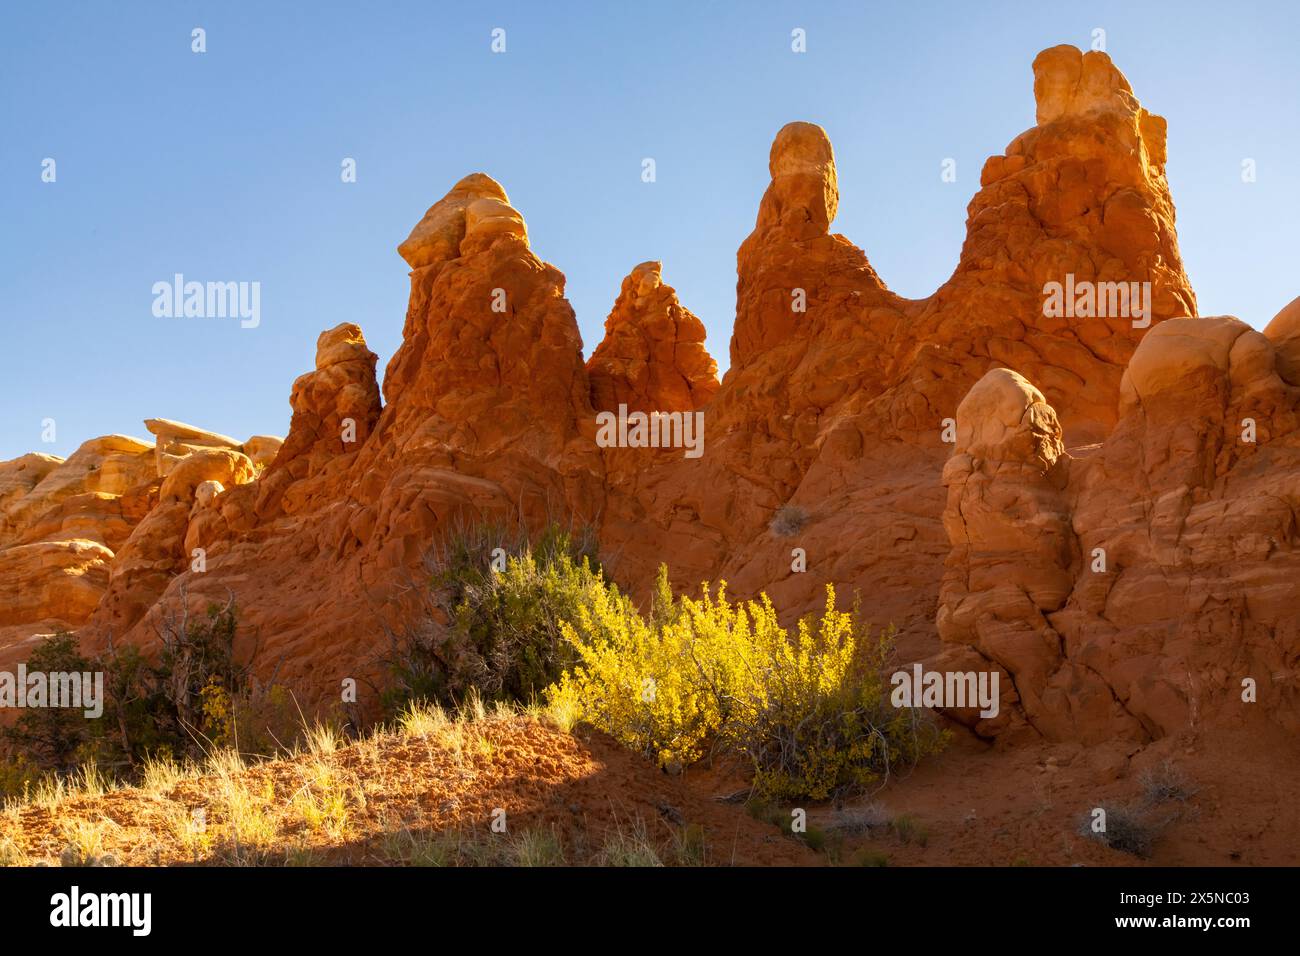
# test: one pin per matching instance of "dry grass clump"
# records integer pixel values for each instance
(788, 520)
(1136, 826)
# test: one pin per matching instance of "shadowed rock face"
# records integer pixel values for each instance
(959, 457)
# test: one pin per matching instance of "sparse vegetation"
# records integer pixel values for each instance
(690, 846)
(859, 820)
(194, 698)
(1129, 829)
(1164, 782)
(538, 847)
(1136, 826)
(869, 857)
(539, 636)
(85, 843)
(911, 830)
(10, 855)
(788, 520)
(628, 847)
(333, 800)
(405, 847)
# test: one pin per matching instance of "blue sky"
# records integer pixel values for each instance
(226, 165)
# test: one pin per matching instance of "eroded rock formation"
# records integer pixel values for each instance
(1132, 589)
(117, 508)
(652, 357)
(958, 460)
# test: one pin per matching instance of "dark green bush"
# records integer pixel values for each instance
(494, 621)
(183, 703)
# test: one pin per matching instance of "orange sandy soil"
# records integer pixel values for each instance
(1019, 804)
(581, 786)
(1022, 803)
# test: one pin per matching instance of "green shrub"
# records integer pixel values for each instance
(869, 857)
(188, 701)
(910, 830)
(49, 738)
(184, 703)
(502, 639)
(18, 775)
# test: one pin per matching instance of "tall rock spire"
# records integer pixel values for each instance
(652, 357)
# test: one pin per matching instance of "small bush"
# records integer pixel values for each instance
(1135, 827)
(193, 698)
(18, 775)
(48, 738)
(814, 838)
(631, 847)
(859, 820)
(406, 847)
(536, 847)
(788, 520)
(869, 857)
(196, 696)
(502, 640)
(1129, 829)
(690, 845)
(809, 710)
(84, 841)
(1164, 782)
(10, 853)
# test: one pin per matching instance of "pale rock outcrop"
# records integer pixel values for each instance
(175, 440)
(438, 235)
(1014, 550)
(262, 449)
(161, 545)
(18, 477)
(1284, 332)
(61, 523)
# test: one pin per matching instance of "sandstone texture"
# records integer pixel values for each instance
(69, 528)
(1134, 589)
(1099, 506)
(652, 357)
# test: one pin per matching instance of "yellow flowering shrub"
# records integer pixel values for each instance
(809, 709)
(631, 681)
